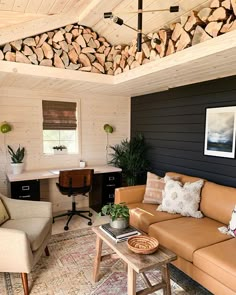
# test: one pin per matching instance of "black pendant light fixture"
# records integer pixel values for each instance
(139, 31)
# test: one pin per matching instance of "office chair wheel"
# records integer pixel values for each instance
(90, 223)
(66, 227)
(90, 214)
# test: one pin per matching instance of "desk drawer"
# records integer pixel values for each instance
(25, 190)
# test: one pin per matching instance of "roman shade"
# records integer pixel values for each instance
(59, 115)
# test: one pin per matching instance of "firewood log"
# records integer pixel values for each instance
(99, 67)
(58, 62)
(80, 40)
(47, 50)
(84, 60)
(183, 41)
(42, 39)
(86, 69)
(46, 62)
(6, 48)
(177, 32)
(33, 59)
(65, 59)
(192, 21)
(1, 55)
(39, 53)
(29, 42)
(68, 37)
(101, 58)
(204, 13)
(200, 35)
(10, 56)
(218, 15)
(64, 46)
(170, 47)
(213, 28)
(73, 56)
(58, 37)
(226, 27)
(226, 4)
(215, 4)
(16, 44)
(20, 57)
(27, 50)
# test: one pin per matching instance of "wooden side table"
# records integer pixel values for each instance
(137, 263)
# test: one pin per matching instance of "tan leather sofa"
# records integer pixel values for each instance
(204, 253)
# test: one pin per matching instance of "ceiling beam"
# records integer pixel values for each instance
(48, 22)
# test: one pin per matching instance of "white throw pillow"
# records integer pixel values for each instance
(183, 199)
(232, 223)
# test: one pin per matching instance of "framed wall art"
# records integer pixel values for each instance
(220, 132)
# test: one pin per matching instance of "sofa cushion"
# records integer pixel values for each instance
(219, 262)
(185, 235)
(218, 201)
(232, 224)
(153, 191)
(182, 198)
(3, 213)
(142, 215)
(35, 228)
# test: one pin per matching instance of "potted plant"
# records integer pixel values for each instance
(130, 156)
(17, 159)
(119, 214)
(60, 149)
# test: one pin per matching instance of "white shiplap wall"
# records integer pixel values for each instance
(22, 109)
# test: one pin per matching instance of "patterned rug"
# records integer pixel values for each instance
(68, 271)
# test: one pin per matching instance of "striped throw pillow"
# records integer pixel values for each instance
(154, 187)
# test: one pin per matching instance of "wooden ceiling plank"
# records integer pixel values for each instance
(33, 6)
(45, 6)
(69, 5)
(6, 4)
(20, 5)
(47, 23)
(58, 6)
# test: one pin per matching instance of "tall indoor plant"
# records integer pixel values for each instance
(16, 159)
(131, 157)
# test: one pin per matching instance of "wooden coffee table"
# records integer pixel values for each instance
(137, 263)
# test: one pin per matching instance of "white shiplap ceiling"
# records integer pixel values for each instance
(23, 18)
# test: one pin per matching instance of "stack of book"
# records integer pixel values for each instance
(119, 235)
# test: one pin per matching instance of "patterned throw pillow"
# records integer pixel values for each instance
(232, 223)
(154, 187)
(3, 213)
(183, 199)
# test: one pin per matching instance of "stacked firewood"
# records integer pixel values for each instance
(77, 47)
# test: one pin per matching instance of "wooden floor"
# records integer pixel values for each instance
(77, 222)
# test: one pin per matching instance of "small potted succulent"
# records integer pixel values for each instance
(119, 214)
(17, 159)
(60, 149)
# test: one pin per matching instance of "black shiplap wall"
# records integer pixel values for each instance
(173, 123)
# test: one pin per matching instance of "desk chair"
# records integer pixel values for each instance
(72, 183)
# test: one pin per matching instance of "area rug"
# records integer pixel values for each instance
(68, 271)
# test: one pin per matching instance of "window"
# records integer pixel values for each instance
(59, 125)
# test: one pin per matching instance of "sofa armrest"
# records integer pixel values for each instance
(27, 209)
(15, 251)
(130, 194)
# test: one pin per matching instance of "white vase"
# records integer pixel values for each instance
(17, 168)
(119, 223)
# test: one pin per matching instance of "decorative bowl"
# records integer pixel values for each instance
(143, 244)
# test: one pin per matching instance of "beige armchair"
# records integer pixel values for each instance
(24, 237)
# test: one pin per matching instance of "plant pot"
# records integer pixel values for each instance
(119, 223)
(60, 152)
(17, 168)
